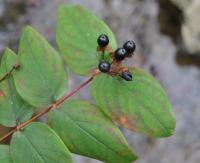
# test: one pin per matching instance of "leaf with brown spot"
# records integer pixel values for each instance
(140, 105)
(2, 94)
(127, 122)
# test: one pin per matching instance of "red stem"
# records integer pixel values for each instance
(48, 109)
(14, 67)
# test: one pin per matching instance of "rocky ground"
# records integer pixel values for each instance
(157, 52)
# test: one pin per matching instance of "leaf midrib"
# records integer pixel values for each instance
(38, 153)
(89, 134)
(153, 114)
(39, 70)
(13, 104)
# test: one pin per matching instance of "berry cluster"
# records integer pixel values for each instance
(118, 56)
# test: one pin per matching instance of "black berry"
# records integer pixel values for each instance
(130, 47)
(104, 66)
(103, 40)
(126, 75)
(120, 54)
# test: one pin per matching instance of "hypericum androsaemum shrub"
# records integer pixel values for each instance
(34, 83)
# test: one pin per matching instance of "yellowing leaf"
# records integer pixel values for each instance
(140, 105)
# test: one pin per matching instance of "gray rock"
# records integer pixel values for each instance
(2, 7)
(190, 29)
(156, 53)
(182, 4)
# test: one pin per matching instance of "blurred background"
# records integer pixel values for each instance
(167, 34)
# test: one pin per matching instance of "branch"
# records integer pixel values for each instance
(16, 66)
(47, 110)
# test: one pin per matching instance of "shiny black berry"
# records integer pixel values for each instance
(104, 66)
(103, 40)
(130, 47)
(120, 54)
(127, 76)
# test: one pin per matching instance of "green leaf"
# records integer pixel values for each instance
(13, 109)
(5, 154)
(41, 78)
(140, 105)
(38, 143)
(10, 61)
(86, 131)
(77, 33)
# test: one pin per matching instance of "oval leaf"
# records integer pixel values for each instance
(140, 105)
(86, 131)
(13, 109)
(77, 33)
(37, 143)
(8, 60)
(41, 78)
(5, 154)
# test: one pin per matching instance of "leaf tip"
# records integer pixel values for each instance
(64, 7)
(133, 156)
(8, 51)
(171, 131)
(168, 131)
(28, 30)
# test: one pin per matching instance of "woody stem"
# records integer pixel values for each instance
(48, 109)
